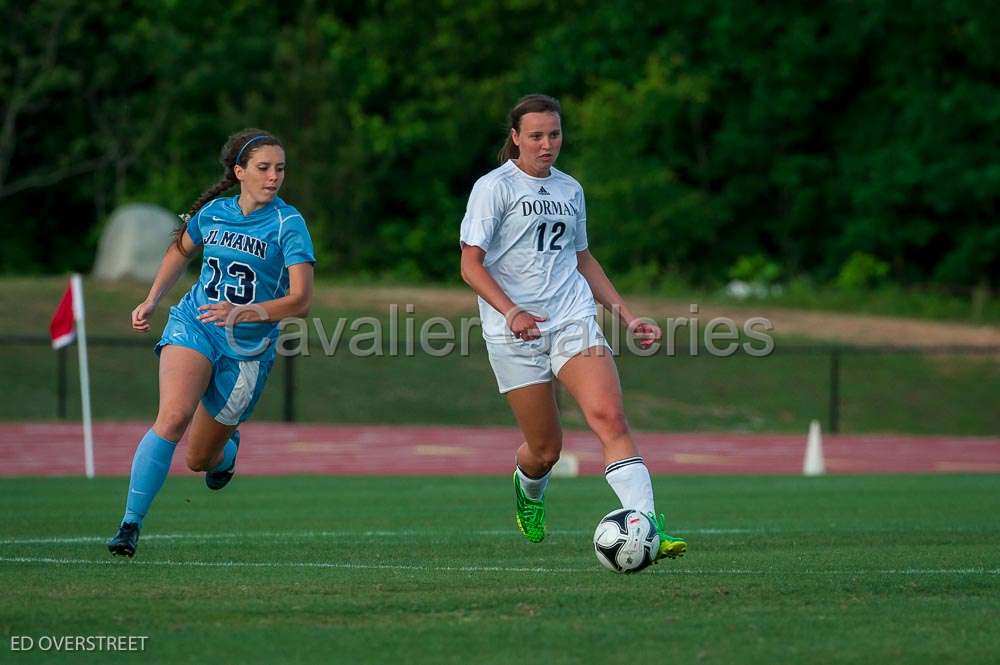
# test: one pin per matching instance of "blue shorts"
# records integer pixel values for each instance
(235, 386)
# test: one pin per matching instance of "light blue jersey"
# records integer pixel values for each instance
(245, 260)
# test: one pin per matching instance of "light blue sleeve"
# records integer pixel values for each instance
(296, 243)
(194, 227)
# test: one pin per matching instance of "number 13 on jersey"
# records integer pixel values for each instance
(242, 292)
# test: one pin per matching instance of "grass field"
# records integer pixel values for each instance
(901, 569)
(904, 393)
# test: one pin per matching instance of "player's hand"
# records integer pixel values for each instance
(524, 325)
(141, 315)
(645, 332)
(226, 313)
(217, 313)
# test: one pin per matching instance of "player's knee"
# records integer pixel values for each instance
(549, 455)
(545, 453)
(549, 458)
(198, 461)
(171, 423)
(608, 420)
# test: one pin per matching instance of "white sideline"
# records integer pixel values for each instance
(286, 564)
(666, 570)
(55, 540)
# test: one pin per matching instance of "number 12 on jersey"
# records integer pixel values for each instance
(558, 229)
(238, 294)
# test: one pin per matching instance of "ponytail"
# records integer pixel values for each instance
(218, 188)
(509, 150)
(237, 151)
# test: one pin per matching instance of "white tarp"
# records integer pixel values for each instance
(133, 242)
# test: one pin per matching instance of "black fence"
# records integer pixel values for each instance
(820, 370)
(836, 354)
(61, 381)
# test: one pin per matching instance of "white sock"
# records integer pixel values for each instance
(533, 488)
(629, 478)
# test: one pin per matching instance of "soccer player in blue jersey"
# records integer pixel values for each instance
(219, 342)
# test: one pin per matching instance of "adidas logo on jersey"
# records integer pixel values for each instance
(543, 192)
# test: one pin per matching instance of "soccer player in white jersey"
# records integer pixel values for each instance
(524, 252)
(218, 345)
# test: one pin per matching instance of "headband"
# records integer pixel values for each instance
(240, 153)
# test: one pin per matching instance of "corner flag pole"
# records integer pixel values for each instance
(81, 343)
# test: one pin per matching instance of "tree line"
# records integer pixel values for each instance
(711, 138)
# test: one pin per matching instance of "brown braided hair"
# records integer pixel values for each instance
(527, 104)
(237, 150)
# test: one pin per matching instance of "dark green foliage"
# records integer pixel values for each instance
(702, 132)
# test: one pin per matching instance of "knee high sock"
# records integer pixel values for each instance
(150, 466)
(228, 455)
(629, 478)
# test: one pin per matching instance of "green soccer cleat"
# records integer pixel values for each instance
(670, 547)
(529, 514)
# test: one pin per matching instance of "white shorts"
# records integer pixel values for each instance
(518, 363)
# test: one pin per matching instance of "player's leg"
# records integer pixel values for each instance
(535, 409)
(213, 440)
(591, 377)
(524, 376)
(183, 375)
(537, 415)
(207, 440)
(212, 448)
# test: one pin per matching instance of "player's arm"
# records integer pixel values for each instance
(474, 273)
(294, 304)
(602, 288)
(170, 270)
(606, 294)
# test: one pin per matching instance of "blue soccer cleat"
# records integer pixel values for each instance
(125, 541)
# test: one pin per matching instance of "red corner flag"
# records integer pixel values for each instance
(67, 323)
(61, 329)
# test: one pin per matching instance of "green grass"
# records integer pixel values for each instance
(976, 306)
(890, 300)
(904, 393)
(873, 569)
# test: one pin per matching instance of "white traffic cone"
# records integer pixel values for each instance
(814, 464)
(568, 466)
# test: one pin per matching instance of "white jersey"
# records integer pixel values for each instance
(531, 229)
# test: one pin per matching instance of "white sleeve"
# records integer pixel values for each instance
(483, 214)
(581, 224)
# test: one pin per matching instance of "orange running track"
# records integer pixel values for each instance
(56, 449)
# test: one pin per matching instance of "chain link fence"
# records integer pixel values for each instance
(856, 389)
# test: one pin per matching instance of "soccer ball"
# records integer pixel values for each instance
(626, 541)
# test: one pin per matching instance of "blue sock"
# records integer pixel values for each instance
(150, 466)
(228, 455)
